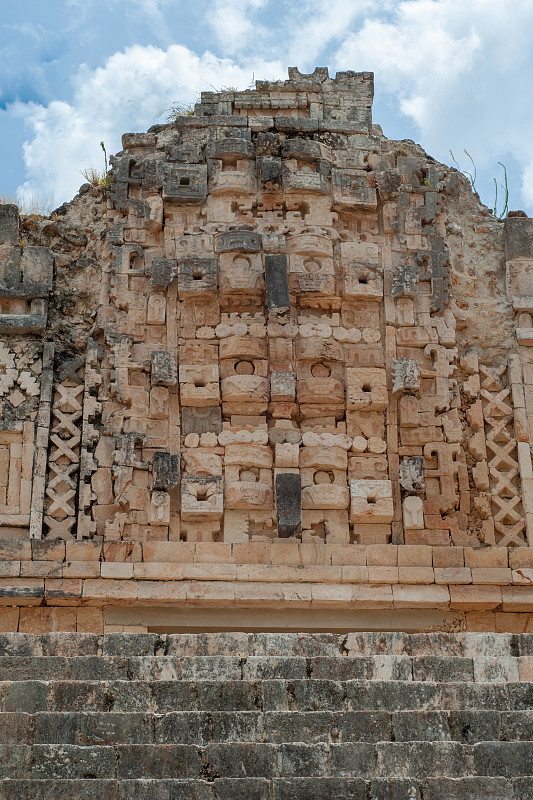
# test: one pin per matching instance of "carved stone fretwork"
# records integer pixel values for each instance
(91, 429)
(504, 481)
(406, 376)
(412, 472)
(60, 507)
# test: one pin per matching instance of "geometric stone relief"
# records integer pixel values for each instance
(60, 505)
(502, 455)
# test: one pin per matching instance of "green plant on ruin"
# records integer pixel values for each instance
(505, 188)
(472, 178)
(470, 175)
(98, 179)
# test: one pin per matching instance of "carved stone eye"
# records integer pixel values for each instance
(320, 371)
(244, 368)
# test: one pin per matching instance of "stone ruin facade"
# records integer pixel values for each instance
(278, 374)
(266, 489)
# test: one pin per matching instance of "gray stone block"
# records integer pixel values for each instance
(109, 728)
(162, 271)
(363, 726)
(197, 276)
(352, 760)
(158, 761)
(16, 728)
(55, 727)
(284, 668)
(164, 369)
(228, 696)
(516, 725)
(458, 696)
(243, 789)
(28, 696)
(199, 668)
(503, 759)
(9, 224)
(522, 788)
(147, 789)
(183, 727)
(303, 760)
(172, 696)
(312, 695)
(420, 759)
(289, 504)
(467, 788)
(242, 759)
(472, 725)
(277, 282)
(43, 789)
(520, 696)
(320, 789)
(15, 761)
(124, 644)
(420, 726)
(294, 726)
(101, 668)
(394, 789)
(67, 761)
(238, 726)
(518, 237)
(440, 669)
(185, 182)
(28, 668)
(397, 696)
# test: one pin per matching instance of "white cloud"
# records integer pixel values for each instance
(233, 26)
(462, 71)
(313, 25)
(129, 93)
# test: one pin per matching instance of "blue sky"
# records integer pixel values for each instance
(450, 74)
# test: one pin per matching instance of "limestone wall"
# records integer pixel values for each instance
(282, 363)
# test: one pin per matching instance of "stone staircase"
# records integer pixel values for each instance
(233, 716)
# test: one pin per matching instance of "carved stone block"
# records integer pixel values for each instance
(406, 376)
(185, 183)
(238, 241)
(412, 472)
(196, 276)
(201, 420)
(164, 369)
(371, 501)
(289, 504)
(166, 470)
(199, 385)
(201, 497)
(366, 389)
(277, 282)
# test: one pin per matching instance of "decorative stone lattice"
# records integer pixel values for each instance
(508, 514)
(64, 455)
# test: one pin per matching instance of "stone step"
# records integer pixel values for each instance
(243, 645)
(268, 695)
(448, 669)
(276, 727)
(437, 788)
(365, 760)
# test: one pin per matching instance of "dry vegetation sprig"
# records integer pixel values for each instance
(29, 204)
(98, 179)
